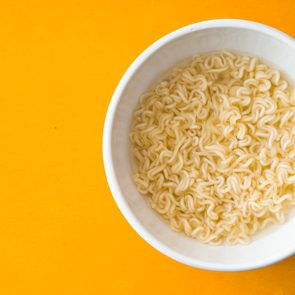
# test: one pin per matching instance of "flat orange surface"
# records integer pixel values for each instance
(60, 230)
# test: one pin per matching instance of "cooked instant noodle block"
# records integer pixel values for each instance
(214, 147)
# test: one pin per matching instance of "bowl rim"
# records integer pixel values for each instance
(107, 143)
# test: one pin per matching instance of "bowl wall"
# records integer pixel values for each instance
(277, 49)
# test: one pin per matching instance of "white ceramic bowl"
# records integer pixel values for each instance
(269, 246)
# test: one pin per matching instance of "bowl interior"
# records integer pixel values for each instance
(270, 243)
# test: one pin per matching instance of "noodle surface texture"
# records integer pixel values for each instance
(214, 146)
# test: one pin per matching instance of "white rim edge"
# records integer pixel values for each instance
(107, 151)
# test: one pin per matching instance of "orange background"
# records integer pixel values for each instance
(60, 230)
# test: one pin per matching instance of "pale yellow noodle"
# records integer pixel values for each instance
(214, 148)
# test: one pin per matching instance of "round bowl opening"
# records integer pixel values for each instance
(277, 49)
